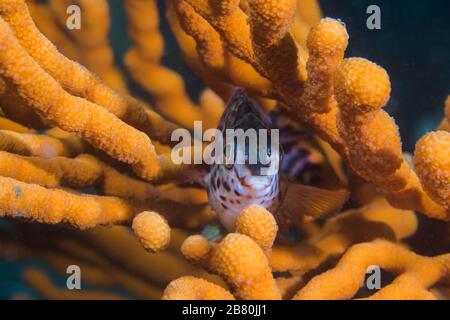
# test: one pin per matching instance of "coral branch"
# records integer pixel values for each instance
(416, 273)
(98, 162)
(43, 284)
(259, 224)
(92, 39)
(216, 59)
(152, 230)
(47, 23)
(78, 80)
(29, 201)
(10, 125)
(243, 264)
(340, 101)
(93, 123)
(377, 220)
(37, 145)
(238, 259)
(432, 163)
(79, 173)
(143, 61)
(190, 288)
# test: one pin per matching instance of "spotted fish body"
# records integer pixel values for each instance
(233, 187)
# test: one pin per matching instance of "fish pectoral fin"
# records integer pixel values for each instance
(314, 202)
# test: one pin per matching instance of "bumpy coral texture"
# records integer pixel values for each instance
(152, 230)
(336, 98)
(415, 274)
(432, 162)
(259, 224)
(190, 288)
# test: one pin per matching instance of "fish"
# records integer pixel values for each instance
(278, 179)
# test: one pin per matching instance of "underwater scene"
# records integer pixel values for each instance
(224, 150)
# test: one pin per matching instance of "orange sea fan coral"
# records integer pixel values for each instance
(62, 127)
(78, 80)
(377, 220)
(28, 201)
(191, 288)
(240, 261)
(215, 59)
(152, 230)
(120, 245)
(339, 100)
(97, 270)
(10, 125)
(144, 63)
(196, 249)
(432, 163)
(41, 282)
(79, 173)
(416, 273)
(239, 258)
(47, 23)
(92, 39)
(259, 224)
(243, 264)
(87, 171)
(16, 109)
(308, 15)
(95, 118)
(37, 145)
(109, 257)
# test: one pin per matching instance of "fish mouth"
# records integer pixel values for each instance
(254, 184)
(258, 184)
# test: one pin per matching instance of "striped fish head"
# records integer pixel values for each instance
(251, 144)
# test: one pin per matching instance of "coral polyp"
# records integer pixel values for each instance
(86, 142)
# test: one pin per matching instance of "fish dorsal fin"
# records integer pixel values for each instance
(304, 200)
